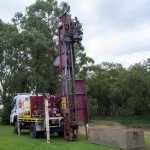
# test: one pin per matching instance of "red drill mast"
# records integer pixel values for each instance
(73, 92)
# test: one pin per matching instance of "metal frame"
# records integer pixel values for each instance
(69, 34)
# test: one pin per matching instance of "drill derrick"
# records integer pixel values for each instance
(69, 34)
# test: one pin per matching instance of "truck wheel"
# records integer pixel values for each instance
(15, 127)
(35, 134)
(61, 134)
(32, 131)
(40, 134)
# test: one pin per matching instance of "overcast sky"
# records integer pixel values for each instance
(114, 30)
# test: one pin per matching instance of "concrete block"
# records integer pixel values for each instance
(121, 138)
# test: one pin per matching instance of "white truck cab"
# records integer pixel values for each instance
(17, 106)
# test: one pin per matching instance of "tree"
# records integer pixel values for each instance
(39, 27)
(120, 91)
(102, 86)
(31, 51)
(7, 34)
(138, 88)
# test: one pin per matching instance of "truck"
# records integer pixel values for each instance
(48, 113)
(29, 110)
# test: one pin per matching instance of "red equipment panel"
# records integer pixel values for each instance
(37, 106)
(81, 101)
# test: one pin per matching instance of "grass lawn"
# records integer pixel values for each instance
(10, 141)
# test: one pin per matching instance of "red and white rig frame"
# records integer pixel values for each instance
(73, 92)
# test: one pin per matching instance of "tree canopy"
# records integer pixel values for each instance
(120, 91)
(28, 49)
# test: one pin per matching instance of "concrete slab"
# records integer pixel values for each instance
(121, 138)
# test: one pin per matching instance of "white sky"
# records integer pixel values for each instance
(114, 30)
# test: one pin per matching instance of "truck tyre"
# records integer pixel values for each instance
(61, 134)
(32, 131)
(40, 134)
(15, 127)
(35, 134)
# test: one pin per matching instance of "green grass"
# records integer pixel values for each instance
(10, 141)
(130, 122)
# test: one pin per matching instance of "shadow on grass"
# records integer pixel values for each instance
(54, 136)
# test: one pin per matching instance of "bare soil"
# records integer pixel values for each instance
(105, 124)
(101, 124)
(111, 124)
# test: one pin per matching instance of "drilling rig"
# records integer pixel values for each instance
(48, 113)
(73, 92)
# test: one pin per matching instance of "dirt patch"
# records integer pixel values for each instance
(111, 124)
(101, 124)
(105, 124)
